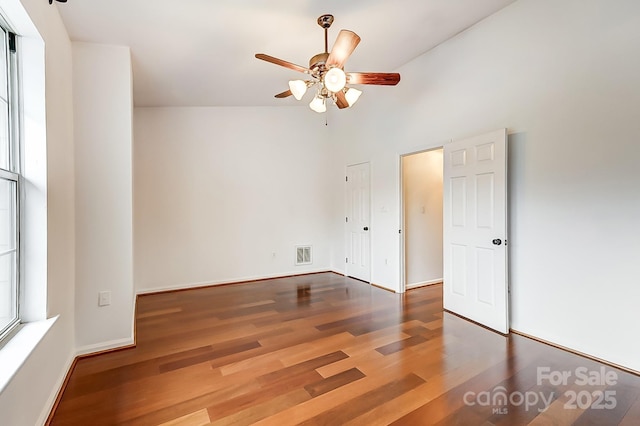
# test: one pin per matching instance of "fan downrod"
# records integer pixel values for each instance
(317, 62)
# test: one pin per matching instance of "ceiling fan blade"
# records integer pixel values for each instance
(343, 48)
(282, 63)
(341, 100)
(284, 94)
(379, 78)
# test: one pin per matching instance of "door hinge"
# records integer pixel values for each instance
(399, 231)
(346, 219)
(346, 178)
(346, 260)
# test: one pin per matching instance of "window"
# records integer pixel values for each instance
(10, 184)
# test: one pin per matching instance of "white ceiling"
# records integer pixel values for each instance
(201, 52)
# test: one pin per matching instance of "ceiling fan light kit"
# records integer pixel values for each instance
(352, 95)
(318, 104)
(298, 88)
(335, 79)
(327, 72)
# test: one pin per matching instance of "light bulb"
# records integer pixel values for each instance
(352, 95)
(298, 88)
(335, 79)
(318, 105)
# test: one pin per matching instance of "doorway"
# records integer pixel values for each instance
(422, 218)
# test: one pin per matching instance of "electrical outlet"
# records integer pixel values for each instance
(104, 298)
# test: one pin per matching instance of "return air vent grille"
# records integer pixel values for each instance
(304, 255)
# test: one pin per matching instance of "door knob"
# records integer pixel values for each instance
(366, 228)
(497, 241)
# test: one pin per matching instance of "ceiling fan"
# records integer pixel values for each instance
(327, 74)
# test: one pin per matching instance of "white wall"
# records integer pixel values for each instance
(225, 194)
(28, 397)
(422, 205)
(104, 201)
(562, 76)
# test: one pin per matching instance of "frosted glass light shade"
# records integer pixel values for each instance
(298, 88)
(335, 79)
(318, 104)
(352, 95)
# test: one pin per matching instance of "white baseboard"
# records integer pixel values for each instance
(424, 283)
(228, 281)
(99, 347)
(46, 411)
(105, 346)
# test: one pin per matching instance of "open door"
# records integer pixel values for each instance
(475, 229)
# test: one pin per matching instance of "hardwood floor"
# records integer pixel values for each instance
(325, 349)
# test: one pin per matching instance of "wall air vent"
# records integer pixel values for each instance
(303, 255)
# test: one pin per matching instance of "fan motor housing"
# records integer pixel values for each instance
(318, 61)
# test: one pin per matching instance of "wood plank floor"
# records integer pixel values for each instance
(323, 349)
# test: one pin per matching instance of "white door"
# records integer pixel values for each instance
(357, 222)
(475, 229)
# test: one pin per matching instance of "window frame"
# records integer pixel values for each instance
(15, 167)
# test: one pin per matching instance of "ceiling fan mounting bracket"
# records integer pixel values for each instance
(325, 21)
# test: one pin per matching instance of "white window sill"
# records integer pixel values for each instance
(16, 351)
